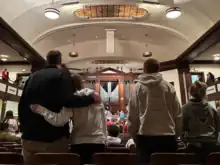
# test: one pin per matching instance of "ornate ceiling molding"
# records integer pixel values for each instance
(78, 25)
(123, 11)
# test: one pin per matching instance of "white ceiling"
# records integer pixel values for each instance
(208, 55)
(166, 39)
(11, 53)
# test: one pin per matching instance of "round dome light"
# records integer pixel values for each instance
(173, 13)
(216, 57)
(73, 54)
(4, 59)
(52, 13)
(147, 54)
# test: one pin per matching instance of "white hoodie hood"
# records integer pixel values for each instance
(154, 107)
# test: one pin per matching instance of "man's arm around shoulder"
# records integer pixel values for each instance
(68, 98)
(133, 113)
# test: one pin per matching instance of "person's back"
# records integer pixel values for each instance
(10, 122)
(155, 117)
(89, 126)
(51, 88)
(200, 122)
(42, 89)
(89, 122)
(156, 99)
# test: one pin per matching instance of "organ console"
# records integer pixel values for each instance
(114, 86)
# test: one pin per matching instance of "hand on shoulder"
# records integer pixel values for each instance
(97, 98)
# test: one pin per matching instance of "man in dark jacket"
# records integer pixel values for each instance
(52, 88)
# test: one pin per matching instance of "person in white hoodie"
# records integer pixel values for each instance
(155, 117)
(89, 132)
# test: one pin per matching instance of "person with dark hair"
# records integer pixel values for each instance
(154, 113)
(10, 122)
(210, 79)
(200, 122)
(51, 87)
(113, 133)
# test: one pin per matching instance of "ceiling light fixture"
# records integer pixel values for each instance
(4, 56)
(4, 59)
(52, 13)
(147, 54)
(216, 57)
(23, 70)
(173, 13)
(73, 54)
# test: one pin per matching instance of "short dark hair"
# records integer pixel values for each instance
(113, 130)
(54, 57)
(198, 90)
(77, 82)
(151, 66)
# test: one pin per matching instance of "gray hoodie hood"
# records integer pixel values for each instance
(150, 79)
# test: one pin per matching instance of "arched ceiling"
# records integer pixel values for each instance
(165, 38)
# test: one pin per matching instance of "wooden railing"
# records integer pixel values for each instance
(213, 91)
(9, 91)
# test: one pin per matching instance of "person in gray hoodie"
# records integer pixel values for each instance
(200, 122)
(155, 116)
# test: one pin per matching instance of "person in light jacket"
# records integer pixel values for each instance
(89, 124)
(155, 116)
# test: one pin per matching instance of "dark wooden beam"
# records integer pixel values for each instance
(206, 41)
(168, 65)
(14, 63)
(205, 62)
(15, 41)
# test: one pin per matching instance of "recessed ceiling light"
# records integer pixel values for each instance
(25, 58)
(147, 54)
(158, 6)
(216, 57)
(173, 13)
(73, 54)
(4, 56)
(23, 70)
(52, 13)
(4, 59)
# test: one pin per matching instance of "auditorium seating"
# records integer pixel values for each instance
(213, 159)
(3, 149)
(173, 159)
(109, 159)
(11, 158)
(118, 150)
(56, 158)
(6, 143)
(10, 153)
(10, 147)
(115, 159)
(17, 150)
